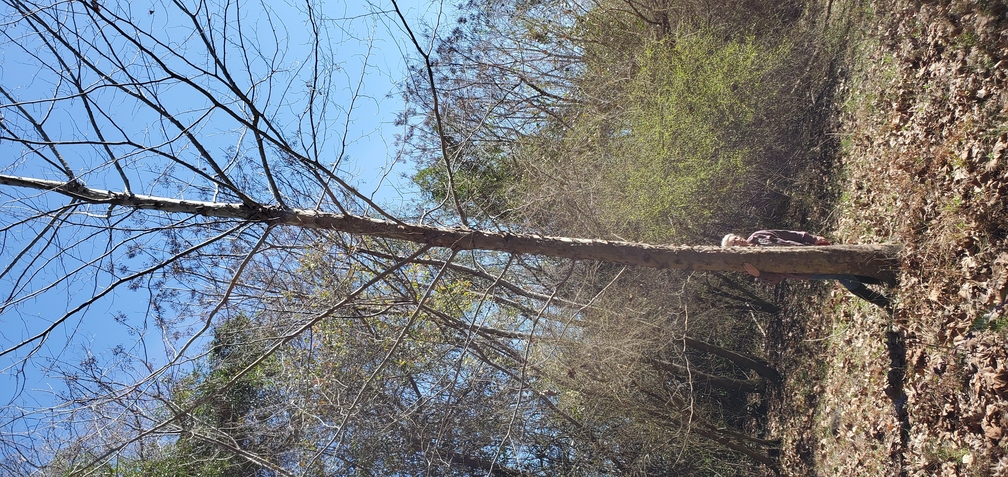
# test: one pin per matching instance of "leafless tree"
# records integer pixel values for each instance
(198, 156)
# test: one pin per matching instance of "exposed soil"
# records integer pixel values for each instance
(924, 129)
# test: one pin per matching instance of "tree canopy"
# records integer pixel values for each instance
(204, 272)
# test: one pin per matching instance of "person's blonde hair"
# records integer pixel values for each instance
(728, 239)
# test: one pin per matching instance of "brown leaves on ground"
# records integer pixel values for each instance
(925, 164)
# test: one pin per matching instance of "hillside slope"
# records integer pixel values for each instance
(924, 132)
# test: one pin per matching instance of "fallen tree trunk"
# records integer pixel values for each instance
(879, 260)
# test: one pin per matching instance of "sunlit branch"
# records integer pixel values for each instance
(41, 336)
(349, 411)
(444, 142)
(290, 336)
(47, 141)
(51, 32)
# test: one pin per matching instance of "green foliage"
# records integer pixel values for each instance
(680, 156)
(223, 412)
(682, 151)
(688, 121)
(481, 183)
(220, 414)
(678, 121)
(176, 461)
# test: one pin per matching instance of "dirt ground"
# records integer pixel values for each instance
(924, 131)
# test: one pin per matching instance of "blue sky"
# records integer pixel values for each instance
(366, 67)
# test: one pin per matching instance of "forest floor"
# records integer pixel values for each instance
(923, 124)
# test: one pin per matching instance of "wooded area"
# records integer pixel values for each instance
(526, 314)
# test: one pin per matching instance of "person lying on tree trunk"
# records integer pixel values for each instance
(856, 284)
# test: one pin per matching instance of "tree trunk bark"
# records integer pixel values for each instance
(731, 385)
(761, 367)
(879, 261)
(749, 300)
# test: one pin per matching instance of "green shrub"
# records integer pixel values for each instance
(685, 145)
